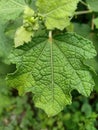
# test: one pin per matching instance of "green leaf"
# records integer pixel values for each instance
(57, 14)
(4, 102)
(10, 9)
(93, 5)
(57, 68)
(96, 22)
(26, 32)
(86, 108)
(22, 36)
(5, 44)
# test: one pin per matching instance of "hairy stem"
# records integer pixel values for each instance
(83, 12)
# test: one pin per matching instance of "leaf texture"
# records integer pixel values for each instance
(10, 9)
(57, 13)
(22, 36)
(5, 44)
(57, 68)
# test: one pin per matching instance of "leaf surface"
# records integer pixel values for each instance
(22, 36)
(93, 5)
(23, 82)
(57, 68)
(10, 9)
(57, 13)
(5, 44)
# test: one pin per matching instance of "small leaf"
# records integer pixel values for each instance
(22, 36)
(86, 108)
(57, 14)
(57, 68)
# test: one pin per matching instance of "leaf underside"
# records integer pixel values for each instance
(55, 68)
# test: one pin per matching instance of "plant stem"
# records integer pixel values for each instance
(92, 25)
(83, 12)
(50, 36)
(84, 3)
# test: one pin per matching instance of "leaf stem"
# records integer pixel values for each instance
(50, 36)
(83, 12)
(84, 3)
(92, 25)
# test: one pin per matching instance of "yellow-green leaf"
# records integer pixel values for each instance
(22, 36)
(57, 14)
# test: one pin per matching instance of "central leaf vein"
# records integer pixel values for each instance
(52, 71)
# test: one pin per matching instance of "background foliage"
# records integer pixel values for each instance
(19, 113)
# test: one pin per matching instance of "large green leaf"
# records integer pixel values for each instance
(56, 67)
(93, 5)
(57, 13)
(10, 9)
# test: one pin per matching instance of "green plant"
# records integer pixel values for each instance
(50, 61)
